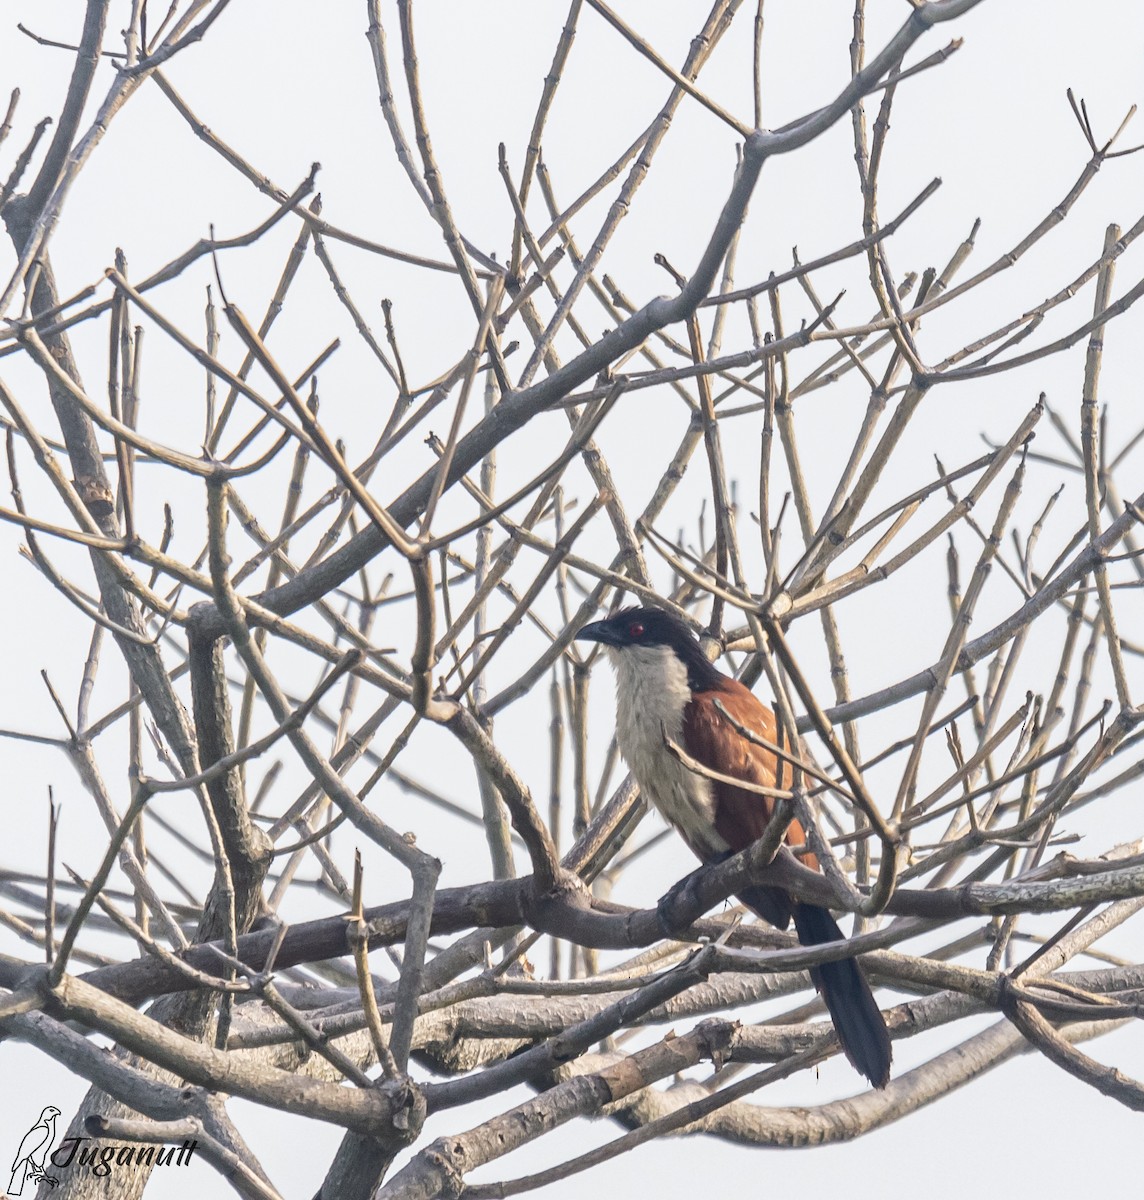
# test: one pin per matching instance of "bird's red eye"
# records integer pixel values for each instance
(635, 630)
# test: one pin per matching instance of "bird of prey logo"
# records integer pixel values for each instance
(33, 1153)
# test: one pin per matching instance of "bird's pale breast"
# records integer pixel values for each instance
(651, 694)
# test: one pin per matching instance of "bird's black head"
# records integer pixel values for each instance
(646, 626)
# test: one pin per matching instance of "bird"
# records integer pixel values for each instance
(34, 1147)
(666, 689)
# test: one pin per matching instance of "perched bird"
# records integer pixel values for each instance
(34, 1146)
(665, 685)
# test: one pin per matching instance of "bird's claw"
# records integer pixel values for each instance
(669, 918)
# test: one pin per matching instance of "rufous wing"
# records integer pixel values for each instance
(740, 815)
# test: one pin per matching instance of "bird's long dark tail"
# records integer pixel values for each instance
(848, 998)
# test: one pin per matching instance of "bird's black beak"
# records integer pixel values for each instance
(599, 631)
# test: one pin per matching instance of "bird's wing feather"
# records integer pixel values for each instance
(30, 1143)
(741, 816)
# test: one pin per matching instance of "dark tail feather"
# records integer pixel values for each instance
(848, 998)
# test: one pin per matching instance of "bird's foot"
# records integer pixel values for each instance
(678, 907)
